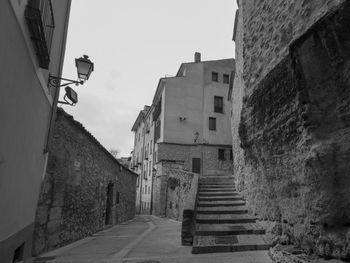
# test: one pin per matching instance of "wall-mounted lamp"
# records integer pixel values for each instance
(71, 95)
(182, 118)
(84, 69)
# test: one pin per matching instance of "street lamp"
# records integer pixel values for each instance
(84, 69)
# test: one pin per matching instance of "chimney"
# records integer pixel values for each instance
(197, 57)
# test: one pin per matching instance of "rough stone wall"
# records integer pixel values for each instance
(73, 198)
(270, 26)
(294, 128)
(178, 188)
(237, 102)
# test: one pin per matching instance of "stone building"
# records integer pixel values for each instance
(190, 122)
(85, 188)
(290, 122)
(32, 47)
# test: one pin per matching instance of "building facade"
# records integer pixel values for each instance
(291, 120)
(190, 118)
(142, 159)
(32, 49)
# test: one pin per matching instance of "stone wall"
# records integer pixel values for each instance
(171, 157)
(294, 127)
(178, 189)
(270, 26)
(81, 174)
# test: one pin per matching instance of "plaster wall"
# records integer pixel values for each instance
(184, 98)
(25, 107)
(222, 134)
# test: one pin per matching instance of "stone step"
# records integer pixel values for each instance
(220, 198)
(223, 220)
(219, 203)
(217, 186)
(234, 243)
(227, 193)
(222, 208)
(222, 212)
(226, 216)
(228, 229)
(214, 190)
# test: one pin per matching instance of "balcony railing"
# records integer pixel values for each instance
(40, 21)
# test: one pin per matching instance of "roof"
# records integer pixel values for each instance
(78, 125)
(205, 61)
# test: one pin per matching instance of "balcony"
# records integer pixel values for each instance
(40, 22)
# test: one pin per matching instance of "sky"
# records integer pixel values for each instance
(133, 43)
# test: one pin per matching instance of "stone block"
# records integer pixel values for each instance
(55, 213)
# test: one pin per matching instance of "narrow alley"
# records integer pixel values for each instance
(144, 239)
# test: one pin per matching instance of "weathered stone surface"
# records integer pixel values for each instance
(293, 126)
(73, 198)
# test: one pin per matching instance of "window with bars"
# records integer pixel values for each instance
(226, 78)
(40, 21)
(218, 104)
(157, 131)
(212, 124)
(215, 76)
(221, 154)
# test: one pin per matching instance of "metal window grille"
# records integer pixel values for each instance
(226, 79)
(40, 20)
(218, 104)
(215, 76)
(221, 154)
(212, 124)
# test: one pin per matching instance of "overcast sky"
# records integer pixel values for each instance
(133, 43)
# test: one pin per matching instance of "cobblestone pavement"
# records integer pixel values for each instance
(146, 239)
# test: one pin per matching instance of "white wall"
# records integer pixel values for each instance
(25, 111)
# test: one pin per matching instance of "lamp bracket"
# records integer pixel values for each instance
(55, 82)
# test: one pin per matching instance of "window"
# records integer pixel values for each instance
(150, 168)
(221, 154)
(212, 124)
(218, 104)
(215, 76)
(157, 131)
(231, 155)
(149, 190)
(226, 78)
(117, 198)
(40, 21)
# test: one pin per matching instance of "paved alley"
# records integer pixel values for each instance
(144, 239)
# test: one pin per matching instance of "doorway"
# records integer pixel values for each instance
(196, 165)
(109, 204)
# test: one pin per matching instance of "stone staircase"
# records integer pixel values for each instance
(222, 220)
